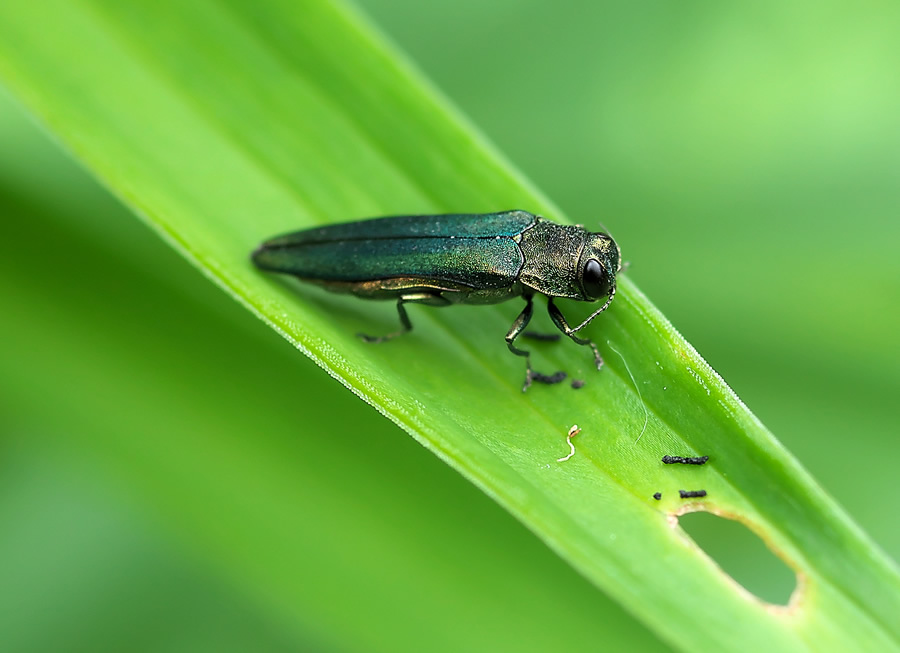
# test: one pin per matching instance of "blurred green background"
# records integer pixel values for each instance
(747, 159)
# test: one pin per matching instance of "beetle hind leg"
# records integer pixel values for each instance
(560, 321)
(405, 325)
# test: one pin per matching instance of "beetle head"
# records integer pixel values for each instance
(600, 261)
(597, 268)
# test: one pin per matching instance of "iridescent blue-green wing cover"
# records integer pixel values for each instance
(474, 250)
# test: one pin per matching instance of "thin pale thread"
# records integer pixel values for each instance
(643, 405)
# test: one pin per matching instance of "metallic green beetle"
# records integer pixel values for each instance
(441, 260)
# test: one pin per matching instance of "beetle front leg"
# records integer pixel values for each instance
(518, 326)
(560, 321)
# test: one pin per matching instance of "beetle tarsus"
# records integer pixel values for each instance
(375, 339)
(404, 323)
(529, 377)
(549, 379)
(543, 337)
(536, 377)
(598, 359)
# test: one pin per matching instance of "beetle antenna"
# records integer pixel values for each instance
(612, 293)
(616, 243)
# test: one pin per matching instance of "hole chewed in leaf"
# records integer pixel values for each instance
(743, 555)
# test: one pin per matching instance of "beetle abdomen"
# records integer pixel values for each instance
(484, 225)
(490, 262)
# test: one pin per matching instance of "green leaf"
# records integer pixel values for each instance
(293, 512)
(224, 124)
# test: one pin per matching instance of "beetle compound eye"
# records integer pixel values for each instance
(595, 280)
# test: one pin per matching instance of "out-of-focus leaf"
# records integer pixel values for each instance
(226, 123)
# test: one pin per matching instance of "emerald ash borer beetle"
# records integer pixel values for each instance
(441, 260)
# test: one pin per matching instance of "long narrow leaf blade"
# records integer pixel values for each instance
(226, 123)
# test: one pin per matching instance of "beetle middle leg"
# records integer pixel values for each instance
(406, 326)
(515, 330)
(541, 337)
(560, 321)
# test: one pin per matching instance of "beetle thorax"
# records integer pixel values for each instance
(551, 253)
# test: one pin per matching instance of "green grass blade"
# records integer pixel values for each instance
(226, 123)
(288, 495)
